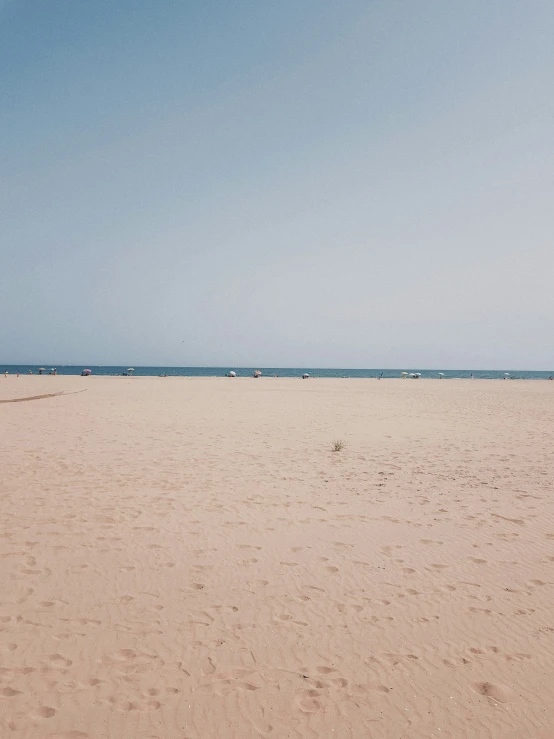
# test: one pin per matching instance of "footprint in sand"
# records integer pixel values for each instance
(518, 521)
(8, 692)
(498, 693)
(57, 661)
(208, 667)
(340, 682)
(44, 712)
(430, 541)
(307, 701)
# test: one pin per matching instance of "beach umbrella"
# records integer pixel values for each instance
(404, 374)
(232, 374)
(305, 375)
(507, 374)
(441, 374)
(130, 369)
(86, 372)
(257, 373)
(42, 369)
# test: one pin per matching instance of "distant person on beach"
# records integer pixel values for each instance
(5, 373)
(30, 372)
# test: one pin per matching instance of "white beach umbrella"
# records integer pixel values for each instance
(232, 374)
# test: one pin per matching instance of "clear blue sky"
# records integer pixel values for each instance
(354, 183)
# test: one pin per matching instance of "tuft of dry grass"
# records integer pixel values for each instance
(338, 445)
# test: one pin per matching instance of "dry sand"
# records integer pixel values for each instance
(187, 559)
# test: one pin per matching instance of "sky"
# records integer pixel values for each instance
(322, 183)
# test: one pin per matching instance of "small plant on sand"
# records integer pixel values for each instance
(338, 445)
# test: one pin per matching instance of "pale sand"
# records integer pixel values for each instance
(187, 559)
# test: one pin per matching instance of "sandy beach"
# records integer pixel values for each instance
(187, 558)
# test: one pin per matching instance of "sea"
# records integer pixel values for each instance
(314, 372)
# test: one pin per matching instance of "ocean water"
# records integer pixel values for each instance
(287, 372)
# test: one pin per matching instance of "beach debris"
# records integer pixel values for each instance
(338, 445)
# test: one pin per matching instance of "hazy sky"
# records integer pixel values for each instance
(347, 183)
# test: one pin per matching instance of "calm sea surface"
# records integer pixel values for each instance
(285, 372)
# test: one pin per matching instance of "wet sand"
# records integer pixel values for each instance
(186, 558)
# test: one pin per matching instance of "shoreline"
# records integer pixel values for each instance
(284, 377)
